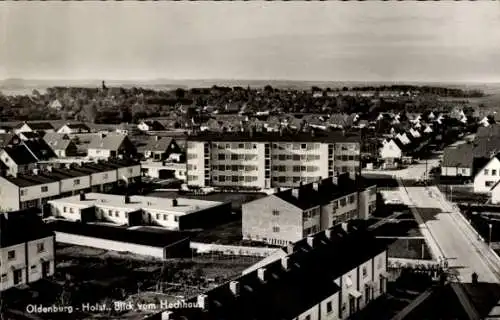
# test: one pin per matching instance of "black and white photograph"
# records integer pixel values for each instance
(252, 160)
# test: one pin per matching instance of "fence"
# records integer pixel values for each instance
(204, 248)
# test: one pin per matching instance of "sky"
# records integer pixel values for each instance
(318, 41)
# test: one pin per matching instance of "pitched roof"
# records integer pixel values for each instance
(57, 141)
(38, 126)
(112, 141)
(40, 149)
(287, 293)
(7, 138)
(22, 226)
(20, 154)
(154, 125)
(159, 145)
(461, 156)
(486, 147)
(77, 126)
(327, 191)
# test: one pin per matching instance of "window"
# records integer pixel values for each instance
(45, 189)
(40, 247)
(76, 182)
(33, 268)
(23, 192)
(110, 213)
(276, 229)
(365, 272)
(176, 218)
(329, 307)
(130, 170)
(486, 172)
(70, 210)
(303, 146)
(308, 317)
(276, 212)
(493, 172)
(165, 217)
(157, 216)
(222, 156)
(351, 199)
(342, 202)
(488, 183)
(105, 176)
(4, 277)
(11, 255)
(234, 157)
(117, 214)
(64, 209)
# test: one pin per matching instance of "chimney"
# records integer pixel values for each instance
(311, 241)
(235, 287)
(261, 273)
(345, 226)
(285, 262)
(167, 315)
(127, 198)
(174, 203)
(202, 301)
(82, 196)
(290, 248)
(315, 186)
(296, 193)
(328, 234)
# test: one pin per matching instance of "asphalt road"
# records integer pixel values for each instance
(453, 237)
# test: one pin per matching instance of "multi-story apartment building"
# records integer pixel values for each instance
(290, 215)
(34, 190)
(268, 159)
(328, 276)
(26, 249)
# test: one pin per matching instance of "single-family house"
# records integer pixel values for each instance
(391, 153)
(34, 127)
(111, 146)
(18, 159)
(488, 176)
(162, 148)
(74, 128)
(56, 105)
(61, 144)
(458, 161)
(152, 125)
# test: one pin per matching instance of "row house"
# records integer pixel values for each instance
(290, 215)
(330, 275)
(27, 249)
(268, 160)
(36, 189)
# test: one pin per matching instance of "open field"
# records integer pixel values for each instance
(87, 275)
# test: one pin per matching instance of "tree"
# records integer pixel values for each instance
(90, 112)
(180, 93)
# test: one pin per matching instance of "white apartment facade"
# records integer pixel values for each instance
(264, 164)
(289, 216)
(27, 191)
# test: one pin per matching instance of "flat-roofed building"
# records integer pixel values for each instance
(268, 159)
(172, 214)
(290, 215)
(26, 249)
(34, 190)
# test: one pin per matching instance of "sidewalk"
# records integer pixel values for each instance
(436, 252)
